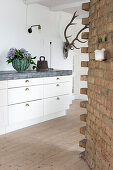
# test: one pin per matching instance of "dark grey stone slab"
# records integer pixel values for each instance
(13, 75)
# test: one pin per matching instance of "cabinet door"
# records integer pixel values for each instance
(56, 104)
(26, 111)
(52, 90)
(23, 94)
(3, 119)
(3, 97)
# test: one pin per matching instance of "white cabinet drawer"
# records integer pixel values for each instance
(25, 82)
(26, 111)
(56, 104)
(52, 90)
(59, 79)
(23, 94)
(3, 97)
(3, 85)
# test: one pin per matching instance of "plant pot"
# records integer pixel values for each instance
(20, 65)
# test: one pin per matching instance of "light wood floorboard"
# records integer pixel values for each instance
(52, 145)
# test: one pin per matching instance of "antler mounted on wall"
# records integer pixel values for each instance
(71, 45)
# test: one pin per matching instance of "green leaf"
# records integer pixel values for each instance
(34, 67)
(34, 57)
(9, 61)
(32, 62)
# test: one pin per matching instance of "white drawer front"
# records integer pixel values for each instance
(3, 85)
(3, 97)
(56, 104)
(23, 94)
(24, 82)
(26, 111)
(52, 90)
(59, 79)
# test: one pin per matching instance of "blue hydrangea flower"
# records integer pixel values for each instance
(23, 50)
(11, 53)
(26, 55)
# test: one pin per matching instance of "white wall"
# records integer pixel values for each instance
(78, 57)
(16, 18)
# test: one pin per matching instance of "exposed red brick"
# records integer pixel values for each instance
(83, 91)
(83, 117)
(85, 35)
(84, 50)
(83, 130)
(84, 77)
(85, 21)
(82, 143)
(86, 6)
(83, 104)
(84, 63)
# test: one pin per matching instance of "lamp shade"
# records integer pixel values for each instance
(30, 30)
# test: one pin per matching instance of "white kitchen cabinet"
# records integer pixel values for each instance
(23, 94)
(56, 104)
(51, 90)
(25, 111)
(26, 102)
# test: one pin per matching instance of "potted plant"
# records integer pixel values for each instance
(20, 59)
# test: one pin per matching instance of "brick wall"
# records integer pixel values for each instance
(99, 146)
(101, 26)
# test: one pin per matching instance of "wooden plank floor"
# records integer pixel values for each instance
(52, 145)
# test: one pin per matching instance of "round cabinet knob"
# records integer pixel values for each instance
(27, 105)
(58, 98)
(27, 81)
(58, 78)
(57, 85)
(27, 89)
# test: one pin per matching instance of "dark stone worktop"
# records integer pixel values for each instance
(13, 75)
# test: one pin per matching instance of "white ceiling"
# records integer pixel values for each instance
(52, 3)
(69, 6)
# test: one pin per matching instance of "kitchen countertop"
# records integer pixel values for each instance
(13, 75)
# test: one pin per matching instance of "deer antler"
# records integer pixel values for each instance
(77, 37)
(70, 23)
(70, 45)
